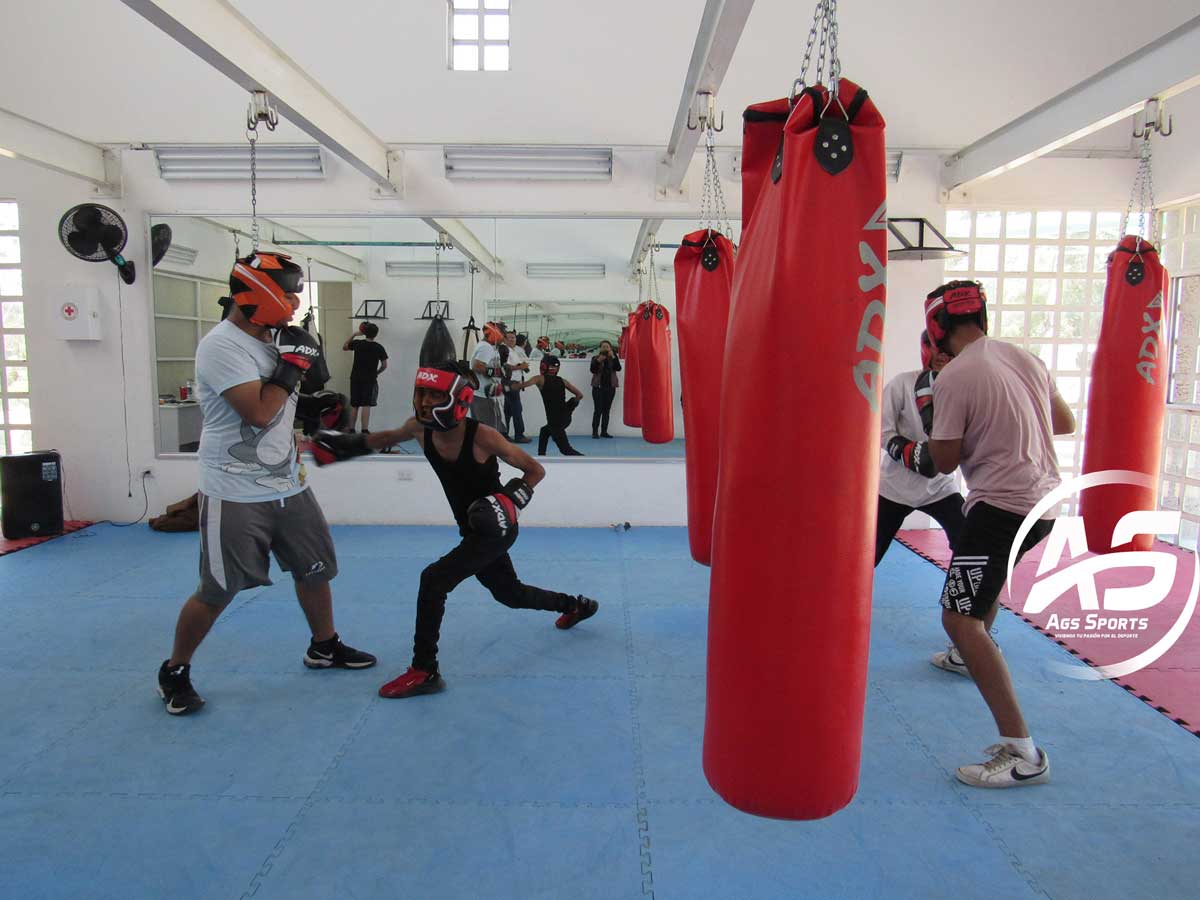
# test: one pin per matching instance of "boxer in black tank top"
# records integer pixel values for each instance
(463, 454)
(558, 408)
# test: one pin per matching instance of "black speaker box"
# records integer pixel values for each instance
(31, 492)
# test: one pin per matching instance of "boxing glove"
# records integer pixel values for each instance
(334, 446)
(298, 350)
(572, 405)
(912, 455)
(494, 515)
(924, 392)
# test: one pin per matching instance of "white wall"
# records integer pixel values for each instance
(1177, 157)
(80, 399)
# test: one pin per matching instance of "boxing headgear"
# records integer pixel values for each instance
(543, 343)
(926, 351)
(549, 364)
(259, 284)
(492, 333)
(459, 393)
(955, 298)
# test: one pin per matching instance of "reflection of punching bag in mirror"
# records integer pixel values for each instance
(702, 318)
(654, 367)
(438, 346)
(631, 384)
(811, 266)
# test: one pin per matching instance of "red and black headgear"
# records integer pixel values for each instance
(955, 298)
(493, 333)
(458, 389)
(550, 364)
(927, 350)
(258, 285)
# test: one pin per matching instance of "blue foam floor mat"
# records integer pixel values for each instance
(555, 765)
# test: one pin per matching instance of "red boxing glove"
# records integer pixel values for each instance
(494, 515)
(924, 392)
(334, 446)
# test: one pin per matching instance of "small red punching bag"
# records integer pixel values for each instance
(631, 384)
(1128, 392)
(794, 531)
(703, 278)
(654, 366)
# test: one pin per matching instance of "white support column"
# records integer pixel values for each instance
(464, 240)
(1163, 68)
(22, 138)
(226, 40)
(720, 30)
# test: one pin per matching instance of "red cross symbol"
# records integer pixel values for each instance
(69, 310)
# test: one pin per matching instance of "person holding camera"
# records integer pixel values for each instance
(605, 366)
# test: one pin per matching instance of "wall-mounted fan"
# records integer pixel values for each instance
(97, 234)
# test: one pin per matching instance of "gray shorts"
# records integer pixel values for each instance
(237, 538)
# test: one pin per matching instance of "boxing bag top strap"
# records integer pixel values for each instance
(818, 100)
(761, 115)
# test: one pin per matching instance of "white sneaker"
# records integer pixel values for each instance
(951, 661)
(1005, 769)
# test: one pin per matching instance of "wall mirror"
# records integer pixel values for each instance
(567, 280)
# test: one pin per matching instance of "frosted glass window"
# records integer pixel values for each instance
(1049, 225)
(16, 379)
(10, 249)
(174, 296)
(1012, 323)
(1070, 357)
(495, 58)
(20, 440)
(1016, 257)
(1045, 291)
(1079, 225)
(957, 263)
(495, 28)
(9, 219)
(987, 257)
(987, 225)
(18, 411)
(1108, 226)
(1015, 292)
(1018, 224)
(12, 314)
(1045, 259)
(10, 283)
(14, 347)
(466, 57)
(1075, 258)
(466, 28)
(466, 4)
(1074, 292)
(958, 223)
(495, 4)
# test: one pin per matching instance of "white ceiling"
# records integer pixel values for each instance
(943, 73)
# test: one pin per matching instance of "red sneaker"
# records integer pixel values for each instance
(412, 683)
(585, 608)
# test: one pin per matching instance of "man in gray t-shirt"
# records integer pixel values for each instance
(253, 501)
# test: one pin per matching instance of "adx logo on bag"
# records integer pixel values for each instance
(1118, 612)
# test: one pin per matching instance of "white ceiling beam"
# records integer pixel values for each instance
(646, 236)
(325, 256)
(1161, 69)
(226, 40)
(22, 138)
(465, 242)
(720, 30)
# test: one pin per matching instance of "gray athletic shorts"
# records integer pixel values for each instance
(237, 538)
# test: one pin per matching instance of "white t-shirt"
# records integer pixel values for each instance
(516, 356)
(490, 357)
(900, 417)
(997, 398)
(239, 462)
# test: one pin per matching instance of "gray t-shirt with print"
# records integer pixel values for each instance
(239, 462)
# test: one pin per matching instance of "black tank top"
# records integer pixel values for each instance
(464, 480)
(554, 395)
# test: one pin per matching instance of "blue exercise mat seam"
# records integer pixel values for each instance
(1153, 704)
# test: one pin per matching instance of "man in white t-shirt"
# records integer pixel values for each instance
(902, 486)
(515, 367)
(995, 414)
(253, 500)
(486, 367)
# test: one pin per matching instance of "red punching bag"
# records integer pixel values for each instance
(703, 277)
(621, 341)
(631, 384)
(1128, 392)
(794, 528)
(762, 125)
(654, 367)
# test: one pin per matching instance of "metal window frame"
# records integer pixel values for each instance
(6, 426)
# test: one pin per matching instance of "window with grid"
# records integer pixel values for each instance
(1043, 271)
(1180, 479)
(16, 416)
(186, 309)
(478, 35)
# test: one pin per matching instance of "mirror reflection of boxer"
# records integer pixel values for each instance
(370, 361)
(488, 370)
(907, 480)
(996, 412)
(463, 454)
(253, 500)
(558, 408)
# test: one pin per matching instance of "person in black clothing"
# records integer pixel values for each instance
(558, 407)
(463, 454)
(370, 359)
(605, 367)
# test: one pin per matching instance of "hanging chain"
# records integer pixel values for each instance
(713, 214)
(437, 269)
(252, 137)
(835, 62)
(473, 271)
(654, 275)
(801, 82)
(262, 111)
(1143, 189)
(824, 34)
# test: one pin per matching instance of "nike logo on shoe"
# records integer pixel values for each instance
(319, 655)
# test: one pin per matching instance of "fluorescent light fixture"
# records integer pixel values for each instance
(231, 162)
(500, 163)
(894, 159)
(425, 269)
(564, 270)
(179, 255)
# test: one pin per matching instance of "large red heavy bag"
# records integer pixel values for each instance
(621, 341)
(654, 373)
(1128, 393)
(794, 527)
(631, 384)
(762, 124)
(703, 278)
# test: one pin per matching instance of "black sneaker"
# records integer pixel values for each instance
(585, 608)
(333, 654)
(175, 688)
